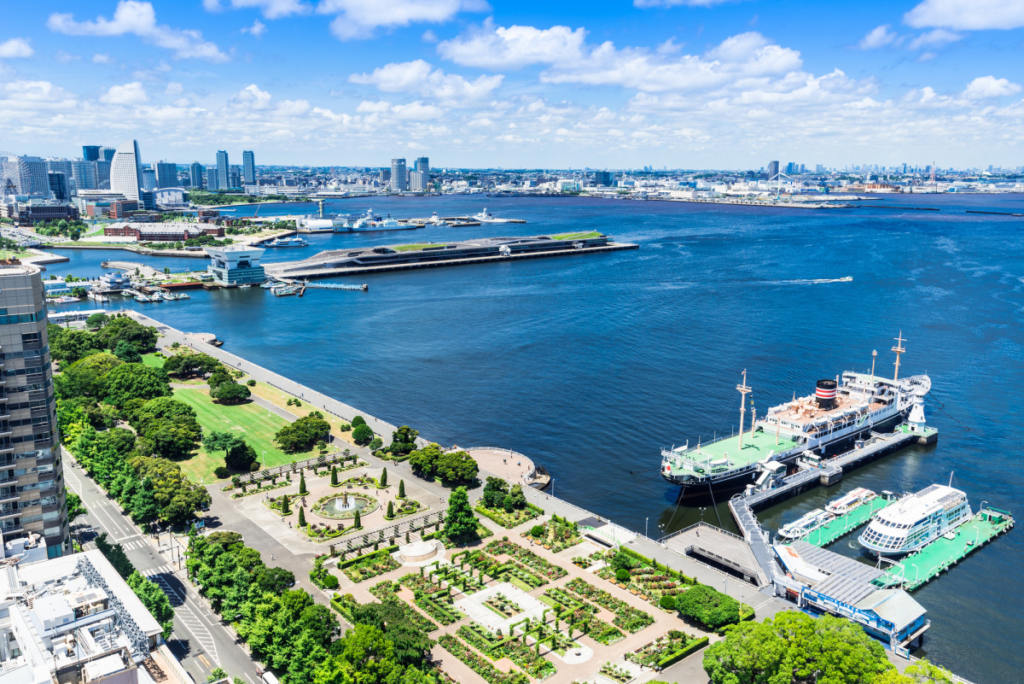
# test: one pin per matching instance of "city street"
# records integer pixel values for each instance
(200, 640)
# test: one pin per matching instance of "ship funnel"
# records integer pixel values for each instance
(825, 394)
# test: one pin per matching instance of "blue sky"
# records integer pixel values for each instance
(619, 83)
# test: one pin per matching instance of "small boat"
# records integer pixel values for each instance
(805, 524)
(915, 520)
(486, 217)
(63, 300)
(849, 501)
(285, 290)
(245, 285)
(287, 242)
(267, 284)
(436, 220)
(142, 298)
(180, 295)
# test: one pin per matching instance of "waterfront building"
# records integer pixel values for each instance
(31, 477)
(107, 154)
(103, 174)
(56, 288)
(419, 181)
(59, 186)
(248, 167)
(603, 179)
(223, 171)
(170, 198)
(773, 169)
(126, 172)
(399, 180)
(236, 265)
(235, 177)
(91, 153)
(195, 175)
(166, 175)
(384, 176)
(25, 175)
(148, 179)
(83, 173)
(211, 178)
(422, 164)
(161, 232)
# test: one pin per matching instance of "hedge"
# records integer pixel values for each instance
(655, 564)
(386, 551)
(673, 658)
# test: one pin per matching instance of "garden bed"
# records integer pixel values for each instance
(557, 534)
(503, 606)
(579, 614)
(666, 650)
(627, 617)
(320, 507)
(508, 520)
(479, 664)
(406, 507)
(432, 599)
(527, 558)
(371, 565)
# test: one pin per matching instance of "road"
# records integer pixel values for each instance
(199, 640)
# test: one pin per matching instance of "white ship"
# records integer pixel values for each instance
(486, 217)
(839, 412)
(849, 501)
(287, 242)
(916, 520)
(805, 524)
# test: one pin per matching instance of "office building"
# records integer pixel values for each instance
(195, 175)
(31, 477)
(604, 179)
(83, 173)
(59, 186)
(126, 171)
(249, 167)
(148, 179)
(91, 152)
(107, 154)
(419, 181)
(422, 164)
(773, 169)
(223, 171)
(25, 176)
(399, 177)
(236, 265)
(235, 177)
(166, 175)
(102, 174)
(211, 178)
(385, 176)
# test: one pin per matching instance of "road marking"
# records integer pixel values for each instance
(206, 663)
(187, 617)
(250, 678)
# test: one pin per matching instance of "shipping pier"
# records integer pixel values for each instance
(845, 524)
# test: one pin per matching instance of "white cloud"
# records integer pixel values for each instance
(429, 36)
(139, 19)
(100, 58)
(15, 47)
(128, 94)
(367, 107)
(257, 29)
(357, 19)
(419, 76)
(66, 57)
(934, 38)
(416, 110)
(251, 94)
(515, 46)
(967, 15)
(174, 89)
(272, 9)
(990, 86)
(877, 37)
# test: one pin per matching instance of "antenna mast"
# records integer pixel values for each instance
(899, 350)
(744, 391)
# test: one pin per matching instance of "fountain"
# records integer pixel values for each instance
(345, 505)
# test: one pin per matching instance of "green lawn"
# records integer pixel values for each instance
(253, 423)
(576, 236)
(153, 360)
(413, 247)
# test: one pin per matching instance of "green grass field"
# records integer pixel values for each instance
(413, 247)
(253, 423)
(153, 360)
(576, 236)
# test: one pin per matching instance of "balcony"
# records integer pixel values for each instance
(5, 428)
(9, 497)
(10, 529)
(9, 511)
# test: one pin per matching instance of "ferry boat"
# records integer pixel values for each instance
(267, 284)
(285, 290)
(64, 299)
(824, 423)
(387, 224)
(287, 242)
(915, 521)
(849, 501)
(486, 217)
(805, 524)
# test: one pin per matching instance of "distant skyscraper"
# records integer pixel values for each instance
(26, 175)
(422, 164)
(107, 153)
(195, 175)
(211, 178)
(419, 181)
(773, 169)
(166, 175)
(102, 174)
(59, 186)
(235, 177)
(84, 174)
(604, 178)
(249, 167)
(90, 152)
(223, 171)
(148, 179)
(399, 181)
(385, 176)
(126, 171)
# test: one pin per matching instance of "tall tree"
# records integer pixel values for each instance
(459, 522)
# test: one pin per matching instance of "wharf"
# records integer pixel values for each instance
(333, 272)
(712, 544)
(944, 553)
(843, 525)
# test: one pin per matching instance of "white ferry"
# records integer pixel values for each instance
(806, 524)
(387, 224)
(287, 242)
(916, 520)
(486, 217)
(849, 501)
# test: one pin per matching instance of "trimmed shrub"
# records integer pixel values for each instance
(622, 575)
(221, 472)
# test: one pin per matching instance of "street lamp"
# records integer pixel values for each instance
(646, 521)
(264, 459)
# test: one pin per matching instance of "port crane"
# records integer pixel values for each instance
(778, 186)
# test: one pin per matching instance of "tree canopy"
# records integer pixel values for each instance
(459, 522)
(135, 381)
(304, 433)
(71, 345)
(708, 607)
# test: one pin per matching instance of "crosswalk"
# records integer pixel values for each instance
(183, 612)
(159, 570)
(133, 544)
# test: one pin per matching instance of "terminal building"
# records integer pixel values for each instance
(236, 265)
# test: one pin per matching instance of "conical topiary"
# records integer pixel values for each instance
(302, 517)
(401, 489)
(391, 510)
(302, 483)
(384, 478)
(334, 475)
(355, 522)
(285, 510)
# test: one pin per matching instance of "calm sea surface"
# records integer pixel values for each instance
(590, 364)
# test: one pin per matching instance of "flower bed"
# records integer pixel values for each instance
(432, 599)
(509, 520)
(648, 583)
(480, 665)
(457, 577)
(628, 618)
(321, 532)
(503, 606)
(405, 507)
(276, 505)
(364, 481)
(526, 657)
(662, 651)
(579, 614)
(318, 508)
(557, 534)
(616, 673)
(528, 558)
(582, 562)
(260, 490)
(370, 566)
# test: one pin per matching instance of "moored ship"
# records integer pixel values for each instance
(850, 501)
(823, 424)
(805, 524)
(916, 520)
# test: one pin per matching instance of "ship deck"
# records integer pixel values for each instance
(756, 447)
(845, 524)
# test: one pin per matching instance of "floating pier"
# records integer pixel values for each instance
(928, 563)
(843, 525)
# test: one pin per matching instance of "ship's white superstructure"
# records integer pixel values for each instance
(805, 524)
(849, 501)
(916, 520)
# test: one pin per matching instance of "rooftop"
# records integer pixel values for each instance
(922, 503)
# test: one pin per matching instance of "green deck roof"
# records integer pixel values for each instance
(756, 447)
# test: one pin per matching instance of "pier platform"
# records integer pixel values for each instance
(712, 544)
(922, 566)
(844, 525)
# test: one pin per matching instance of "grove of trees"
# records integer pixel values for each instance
(455, 467)
(304, 433)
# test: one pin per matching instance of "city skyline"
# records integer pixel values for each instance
(675, 83)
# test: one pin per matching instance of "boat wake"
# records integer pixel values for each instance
(812, 281)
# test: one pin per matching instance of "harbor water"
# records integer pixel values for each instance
(591, 364)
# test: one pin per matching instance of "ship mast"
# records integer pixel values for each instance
(744, 391)
(899, 350)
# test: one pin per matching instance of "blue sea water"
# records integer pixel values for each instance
(590, 364)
